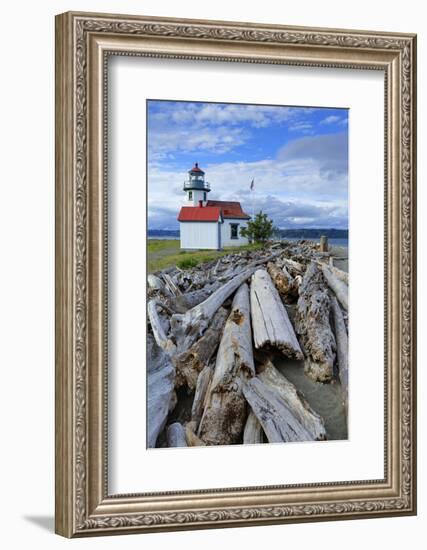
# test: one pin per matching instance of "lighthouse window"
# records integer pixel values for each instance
(234, 230)
(204, 197)
(190, 195)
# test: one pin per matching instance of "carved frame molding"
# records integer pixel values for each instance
(83, 43)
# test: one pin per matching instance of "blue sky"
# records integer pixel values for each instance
(298, 157)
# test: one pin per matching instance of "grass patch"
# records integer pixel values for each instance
(157, 245)
(187, 263)
(164, 253)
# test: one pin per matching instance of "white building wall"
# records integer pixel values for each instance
(198, 235)
(196, 196)
(226, 239)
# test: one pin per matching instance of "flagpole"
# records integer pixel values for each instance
(252, 196)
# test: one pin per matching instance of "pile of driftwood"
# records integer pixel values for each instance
(213, 331)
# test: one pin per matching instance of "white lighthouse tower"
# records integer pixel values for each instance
(196, 187)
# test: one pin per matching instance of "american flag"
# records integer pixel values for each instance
(252, 184)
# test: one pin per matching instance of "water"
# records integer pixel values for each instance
(332, 241)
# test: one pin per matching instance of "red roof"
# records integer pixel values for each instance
(229, 209)
(196, 169)
(199, 214)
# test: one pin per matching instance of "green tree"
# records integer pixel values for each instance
(260, 229)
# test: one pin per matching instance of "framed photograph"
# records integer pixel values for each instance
(235, 274)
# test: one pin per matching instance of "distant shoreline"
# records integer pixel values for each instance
(335, 241)
(291, 234)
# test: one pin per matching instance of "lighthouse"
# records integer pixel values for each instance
(208, 224)
(196, 188)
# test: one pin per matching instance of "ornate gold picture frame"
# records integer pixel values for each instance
(84, 42)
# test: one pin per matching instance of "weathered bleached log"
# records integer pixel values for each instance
(171, 285)
(342, 348)
(253, 432)
(202, 385)
(274, 415)
(312, 325)
(298, 282)
(224, 416)
(295, 401)
(191, 299)
(295, 268)
(199, 279)
(321, 254)
(339, 274)
(270, 321)
(175, 435)
(338, 286)
(188, 327)
(283, 282)
(155, 282)
(169, 270)
(159, 334)
(160, 389)
(191, 437)
(189, 363)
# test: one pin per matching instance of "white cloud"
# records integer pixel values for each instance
(330, 119)
(218, 128)
(219, 139)
(293, 191)
(305, 185)
(201, 114)
(303, 127)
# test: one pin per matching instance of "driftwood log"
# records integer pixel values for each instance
(175, 435)
(205, 326)
(294, 268)
(253, 432)
(312, 325)
(155, 282)
(341, 337)
(194, 298)
(295, 401)
(170, 284)
(160, 390)
(189, 363)
(191, 437)
(188, 327)
(273, 413)
(202, 385)
(284, 283)
(271, 325)
(339, 274)
(157, 328)
(224, 416)
(337, 285)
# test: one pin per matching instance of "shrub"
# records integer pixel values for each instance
(187, 263)
(260, 229)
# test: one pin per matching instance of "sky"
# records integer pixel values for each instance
(297, 157)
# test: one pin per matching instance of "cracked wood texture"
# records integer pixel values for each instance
(272, 327)
(313, 326)
(225, 413)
